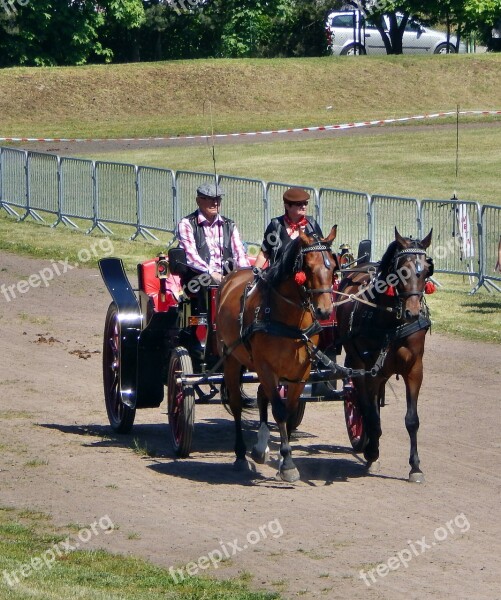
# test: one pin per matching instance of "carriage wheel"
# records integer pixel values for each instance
(354, 421)
(180, 402)
(294, 421)
(297, 417)
(120, 415)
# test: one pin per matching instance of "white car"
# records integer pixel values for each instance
(350, 32)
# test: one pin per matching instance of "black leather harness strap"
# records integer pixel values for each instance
(279, 329)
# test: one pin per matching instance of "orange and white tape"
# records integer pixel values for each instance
(261, 133)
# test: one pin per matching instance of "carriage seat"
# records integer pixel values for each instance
(150, 285)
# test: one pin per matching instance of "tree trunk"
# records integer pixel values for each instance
(448, 24)
(396, 32)
(158, 46)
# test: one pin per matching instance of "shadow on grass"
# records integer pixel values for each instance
(482, 308)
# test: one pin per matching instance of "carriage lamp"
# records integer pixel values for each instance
(346, 257)
(162, 267)
(162, 272)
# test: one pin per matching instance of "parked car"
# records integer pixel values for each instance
(494, 44)
(351, 32)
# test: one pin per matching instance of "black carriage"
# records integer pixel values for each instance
(159, 344)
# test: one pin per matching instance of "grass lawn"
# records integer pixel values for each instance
(27, 537)
(421, 164)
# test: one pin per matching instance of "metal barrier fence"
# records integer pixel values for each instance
(77, 190)
(245, 202)
(466, 235)
(456, 243)
(388, 212)
(348, 210)
(156, 208)
(490, 243)
(43, 183)
(13, 184)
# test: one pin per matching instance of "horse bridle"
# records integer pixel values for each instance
(317, 246)
(419, 267)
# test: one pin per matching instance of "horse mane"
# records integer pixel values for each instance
(389, 255)
(387, 260)
(284, 266)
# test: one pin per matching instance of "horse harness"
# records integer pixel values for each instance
(389, 335)
(277, 328)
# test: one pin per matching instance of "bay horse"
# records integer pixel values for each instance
(383, 333)
(264, 324)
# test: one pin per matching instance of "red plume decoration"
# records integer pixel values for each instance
(429, 287)
(300, 277)
(390, 291)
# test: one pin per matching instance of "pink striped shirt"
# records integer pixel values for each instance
(214, 237)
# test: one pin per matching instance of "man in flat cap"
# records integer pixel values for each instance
(285, 228)
(212, 243)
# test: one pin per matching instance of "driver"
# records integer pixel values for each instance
(285, 228)
(211, 241)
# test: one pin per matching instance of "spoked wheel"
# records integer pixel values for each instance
(180, 402)
(354, 421)
(120, 415)
(297, 418)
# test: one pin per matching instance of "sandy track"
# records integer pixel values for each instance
(336, 521)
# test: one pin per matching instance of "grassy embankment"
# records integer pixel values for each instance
(169, 99)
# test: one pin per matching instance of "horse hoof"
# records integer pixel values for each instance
(241, 464)
(416, 477)
(373, 467)
(260, 457)
(289, 475)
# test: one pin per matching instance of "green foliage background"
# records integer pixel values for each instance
(76, 32)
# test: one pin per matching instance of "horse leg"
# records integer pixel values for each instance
(232, 374)
(260, 451)
(294, 392)
(372, 423)
(281, 408)
(412, 386)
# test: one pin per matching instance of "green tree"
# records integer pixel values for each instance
(392, 37)
(303, 32)
(63, 32)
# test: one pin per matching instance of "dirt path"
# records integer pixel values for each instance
(431, 541)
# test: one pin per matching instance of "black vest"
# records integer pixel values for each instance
(276, 237)
(201, 242)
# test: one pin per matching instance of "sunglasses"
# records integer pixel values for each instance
(217, 199)
(300, 204)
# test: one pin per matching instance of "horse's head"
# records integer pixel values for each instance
(316, 261)
(405, 268)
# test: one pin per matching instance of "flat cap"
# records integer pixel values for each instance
(210, 190)
(296, 195)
